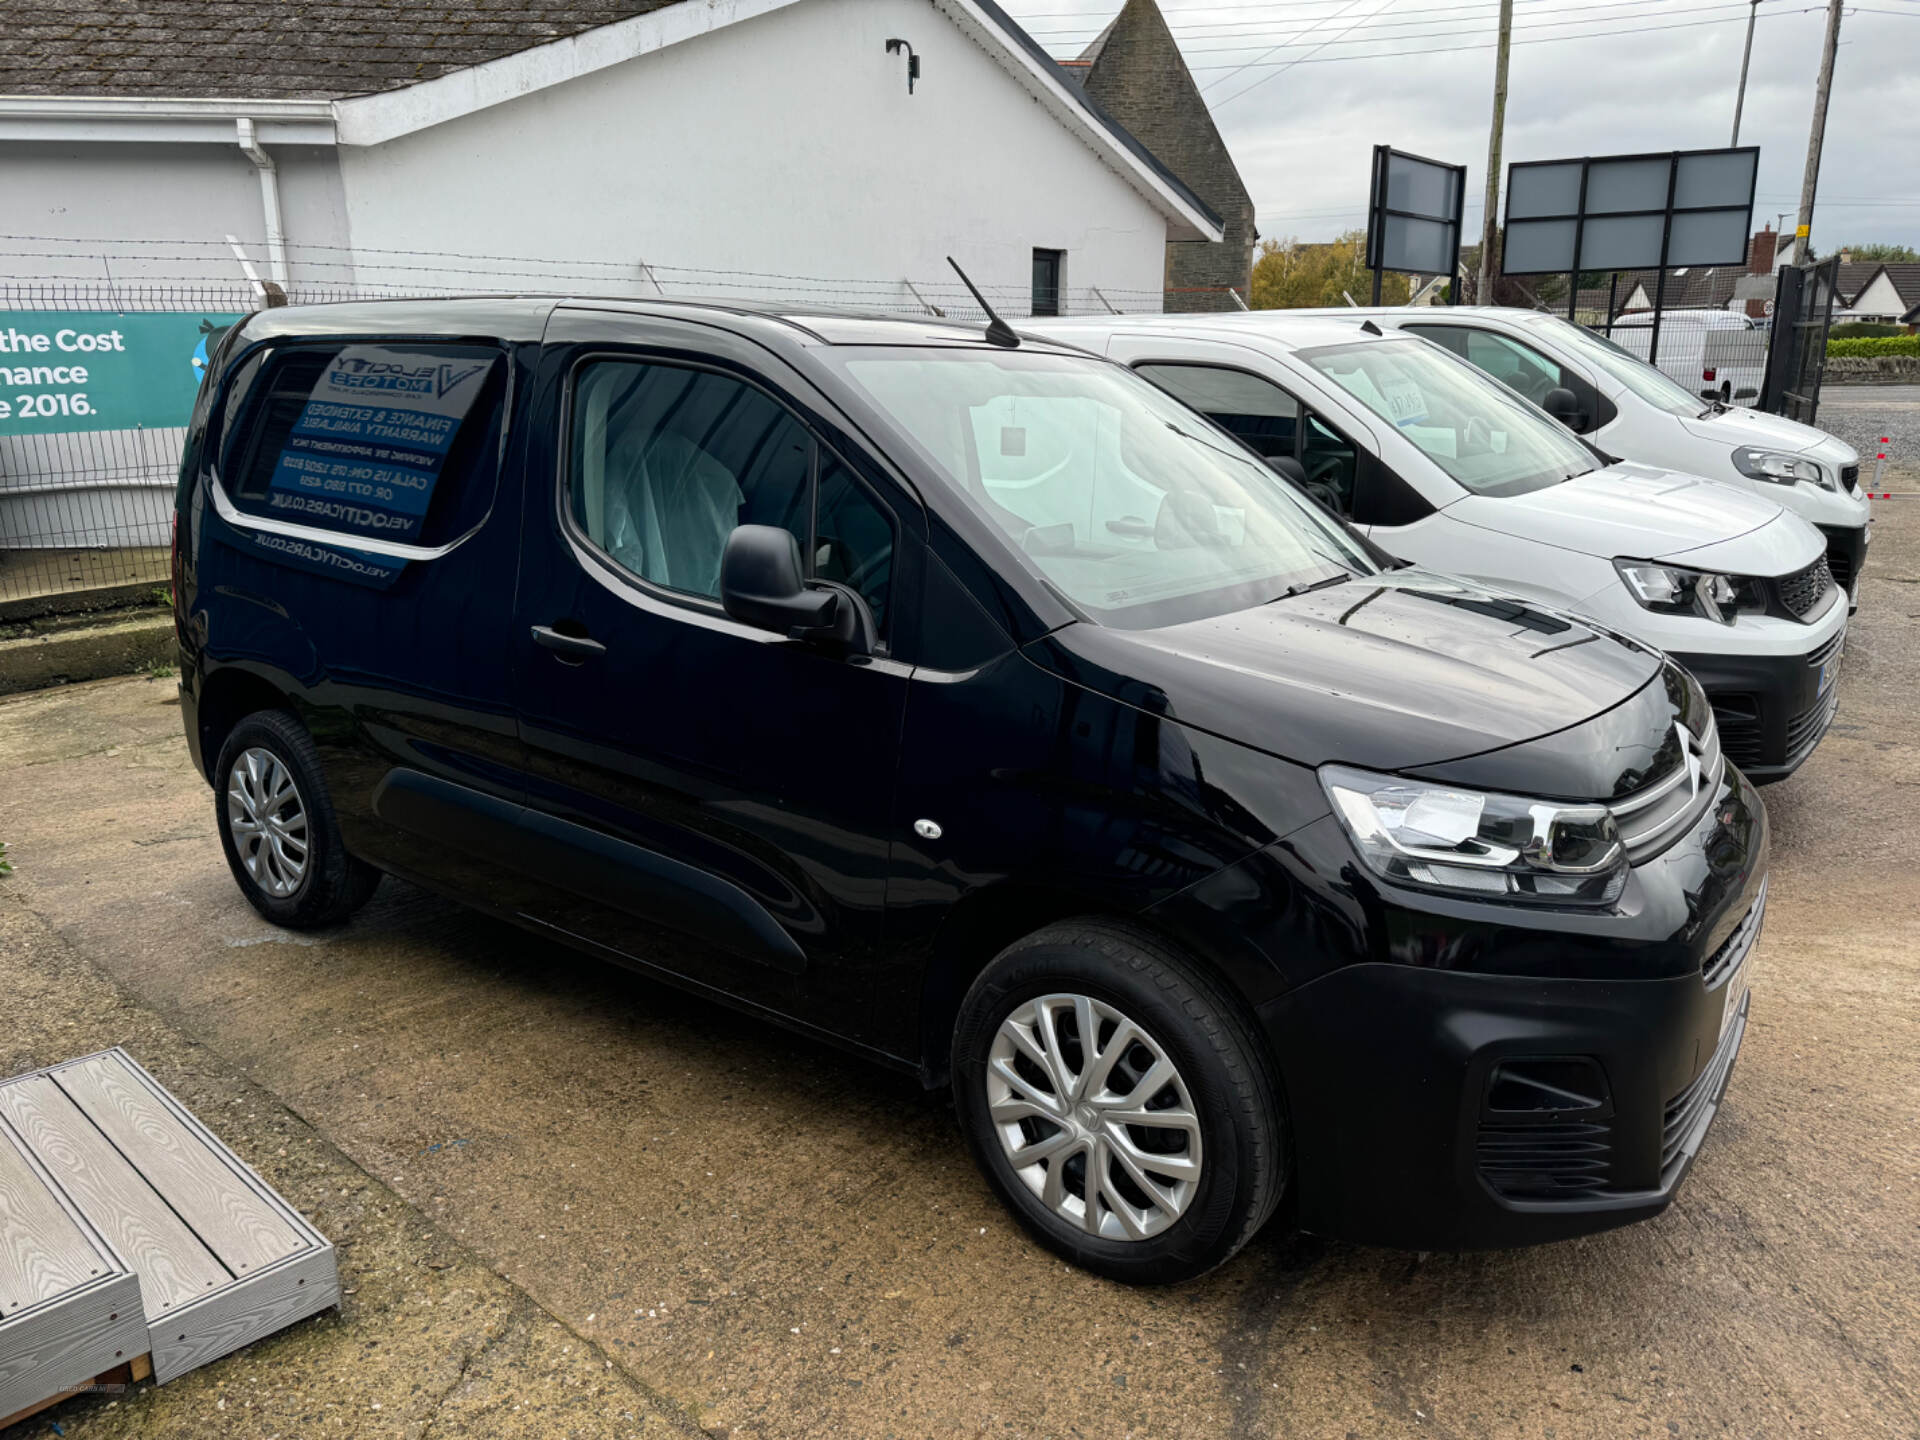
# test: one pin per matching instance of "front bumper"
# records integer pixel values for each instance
(1772, 710)
(1440, 1109)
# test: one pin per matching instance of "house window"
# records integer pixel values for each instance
(1047, 265)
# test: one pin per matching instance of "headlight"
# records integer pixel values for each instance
(1782, 469)
(1674, 590)
(1466, 842)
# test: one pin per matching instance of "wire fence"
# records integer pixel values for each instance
(86, 500)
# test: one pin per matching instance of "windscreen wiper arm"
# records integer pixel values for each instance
(1320, 584)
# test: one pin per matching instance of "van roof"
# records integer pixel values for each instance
(523, 318)
(1300, 329)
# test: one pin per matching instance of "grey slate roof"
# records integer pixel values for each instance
(282, 49)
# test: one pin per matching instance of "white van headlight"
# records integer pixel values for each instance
(1783, 469)
(1478, 845)
(1676, 590)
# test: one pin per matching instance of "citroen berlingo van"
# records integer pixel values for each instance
(966, 701)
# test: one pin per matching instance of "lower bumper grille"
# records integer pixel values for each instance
(1546, 1162)
(1692, 1110)
(1806, 728)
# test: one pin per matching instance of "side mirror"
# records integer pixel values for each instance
(761, 584)
(1563, 405)
(1287, 468)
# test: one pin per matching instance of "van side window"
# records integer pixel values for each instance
(1261, 414)
(1519, 367)
(391, 442)
(665, 461)
(1269, 420)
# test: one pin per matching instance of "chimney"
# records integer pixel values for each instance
(1846, 257)
(1760, 254)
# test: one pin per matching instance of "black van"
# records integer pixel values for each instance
(977, 707)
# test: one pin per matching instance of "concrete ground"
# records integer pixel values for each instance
(574, 1203)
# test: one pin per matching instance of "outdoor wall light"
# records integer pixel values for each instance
(894, 47)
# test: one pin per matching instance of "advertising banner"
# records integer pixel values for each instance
(68, 371)
(367, 450)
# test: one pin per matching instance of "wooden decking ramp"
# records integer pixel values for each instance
(127, 1231)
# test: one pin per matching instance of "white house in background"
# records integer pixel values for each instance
(611, 146)
(832, 151)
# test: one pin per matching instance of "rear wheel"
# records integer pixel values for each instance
(278, 829)
(1119, 1103)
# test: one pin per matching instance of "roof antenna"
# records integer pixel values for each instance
(998, 331)
(1371, 328)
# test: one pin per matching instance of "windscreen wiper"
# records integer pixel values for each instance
(1320, 584)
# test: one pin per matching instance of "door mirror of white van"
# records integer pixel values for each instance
(1563, 405)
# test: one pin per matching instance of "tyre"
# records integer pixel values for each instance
(1119, 1102)
(278, 828)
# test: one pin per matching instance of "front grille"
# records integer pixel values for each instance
(1802, 591)
(1691, 1111)
(1546, 1162)
(1805, 729)
(1656, 815)
(1850, 477)
(1734, 948)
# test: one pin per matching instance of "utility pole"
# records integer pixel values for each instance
(1491, 228)
(1746, 56)
(1812, 179)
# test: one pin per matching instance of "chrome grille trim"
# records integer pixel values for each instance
(1655, 816)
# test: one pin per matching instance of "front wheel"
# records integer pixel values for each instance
(277, 826)
(1119, 1102)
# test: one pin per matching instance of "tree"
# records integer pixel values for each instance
(1288, 275)
(1884, 254)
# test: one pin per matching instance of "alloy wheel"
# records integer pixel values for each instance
(1094, 1116)
(268, 820)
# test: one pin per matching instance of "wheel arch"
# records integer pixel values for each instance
(227, 696)
(985, 922)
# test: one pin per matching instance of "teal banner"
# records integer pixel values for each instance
(62, 371)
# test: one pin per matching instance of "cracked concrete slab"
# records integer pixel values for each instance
(427, 1340)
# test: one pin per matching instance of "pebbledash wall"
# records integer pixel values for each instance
(777, 157)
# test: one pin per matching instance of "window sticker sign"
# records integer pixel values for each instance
(67, 371)
(1401, 395)
(368, 449)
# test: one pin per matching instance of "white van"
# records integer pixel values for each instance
(1628, 408)
(1442, 466)
(1720, 354)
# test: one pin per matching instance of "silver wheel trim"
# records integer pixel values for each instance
(268, 820)
(1115, 1103)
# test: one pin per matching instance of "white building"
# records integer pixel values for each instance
(728, 147)
(832, 151)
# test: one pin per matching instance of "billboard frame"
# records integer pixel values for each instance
(1667, 212)
(1378, 211)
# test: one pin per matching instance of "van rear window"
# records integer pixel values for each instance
(372, 441)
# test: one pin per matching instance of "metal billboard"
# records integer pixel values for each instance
(1630, 212)
(1413, 217)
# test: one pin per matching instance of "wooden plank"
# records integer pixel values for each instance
(123, 1375)
(173, 1266)
(241, 1227)
(66, 1342)
(244, 1312)
(43, 1252)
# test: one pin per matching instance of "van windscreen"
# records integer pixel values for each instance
(1137, 510)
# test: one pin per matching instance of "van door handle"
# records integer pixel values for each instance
(569, 647)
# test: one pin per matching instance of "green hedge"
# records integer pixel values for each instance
(1862, 329)
(1890, 345)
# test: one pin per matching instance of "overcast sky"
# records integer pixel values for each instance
(1364, 72)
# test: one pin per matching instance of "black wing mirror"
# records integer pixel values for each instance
(1287, 468)
(762, 585)
(1563, 405)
